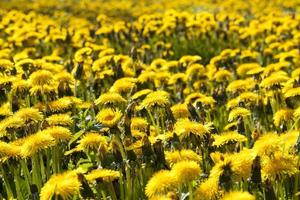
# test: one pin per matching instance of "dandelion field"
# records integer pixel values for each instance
(159, 100)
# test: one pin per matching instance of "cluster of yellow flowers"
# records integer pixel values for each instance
(161, 100)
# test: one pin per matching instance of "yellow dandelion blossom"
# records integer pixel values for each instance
(274, 79)
(41, 77)
(228, 137)
(147, 77)
(289, 140)
(24, 62)
(109, 98)
(185, 127)
(6, 64)
(36, 142)
(6, 80)
(238, 195)
(244, 68)
(180, 111)
(109, 117)
(194, 69)
(238, 112)
(292, 92)
(44, 89)
(138, 123)
(60, 119)
(267, 144)
(65, 185)
(8, 150)
(157, 98)
(241, 85)
(82, 54)
(249, 97)
(282, 115)
(161, 183)
(91, 142)
(241, 163)
(64, 77)
(285, 165)
(206, 100)
(5, 109)
(58, 132)
(230, 126)
(123, 85)
(193, 96)
(106, 175)
(11, 122)
(60, 104)
(177, 77)
(141, 93)
(173, 157)
(161, 197)
(189, 59)
(209, 189)
(222, 75)
(255, 71)
(232, 103)
(29, 114)
(19, 86)
(186, 171)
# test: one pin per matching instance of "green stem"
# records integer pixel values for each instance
(36, 173)
(6, 183)
(112, 191)
(190, 186)
(26, 175)
(17, 181)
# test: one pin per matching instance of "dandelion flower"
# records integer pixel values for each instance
(282, 115)
(109, 98)
(241, 85)
(180, 111)
(141, 93)
(238, 112)
(41, 77)
(59, 119)
(65, 185)
(157, 98)
(60, 104)
(238, 195)
(29, 114)
(186, 171)
(292, 92)
(109, 117)
(228, 137)
(91, 142)
(8, 150)
(267, 144)
(244, 68)
(160, 183)
(209, 189)
(106, 175)
(285, 165)
(123, 85)
(173, 157)
(36, 142)
(5, 109)
(58, 132)
(138, 123)
(185, 127)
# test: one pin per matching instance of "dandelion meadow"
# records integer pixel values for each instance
(158, 100)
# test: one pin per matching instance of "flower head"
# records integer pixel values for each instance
(65, 185)
(109, 117)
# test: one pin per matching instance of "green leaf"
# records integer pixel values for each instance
(75, 137)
